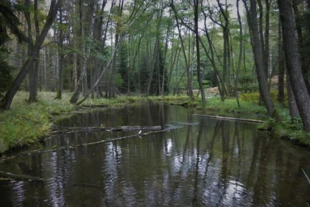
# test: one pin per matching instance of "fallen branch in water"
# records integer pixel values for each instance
(229, 118)
(60, 129)
(7, 175)
(82, 145)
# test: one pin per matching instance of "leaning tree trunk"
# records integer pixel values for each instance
(294, 113)
(61, 57)
(258, 57)
(211, 57)
(293, 62)
(6, 101)
(187, 64)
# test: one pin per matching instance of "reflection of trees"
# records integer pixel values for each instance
(215, 163)
(289, 165)
(256, 141)
(195, 201)
(261, 192)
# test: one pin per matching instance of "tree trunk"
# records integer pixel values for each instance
(218, 77)
(258, 57)
(33, 72)
(299, 21)
(281, 66)
(199, 73)
(240, 54)
(187, 65)
(74, 99)
(6, 101)
(164, 81)
(116, 41)
(293, 62)
(294, 113)
(61, 57)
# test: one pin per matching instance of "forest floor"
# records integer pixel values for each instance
(25, 124)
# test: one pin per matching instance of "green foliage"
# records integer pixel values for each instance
(229, 107)
(158, 74)
(247, 82)
(118, 80)
(254, 96)
(122, 68)
(9, 22)
(291, 129)
(250, 97)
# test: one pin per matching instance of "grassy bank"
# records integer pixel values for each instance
(287, 129)
(26, 123)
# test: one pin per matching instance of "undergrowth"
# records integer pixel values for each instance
(287, 128)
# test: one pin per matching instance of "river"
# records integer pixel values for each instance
(192, 161)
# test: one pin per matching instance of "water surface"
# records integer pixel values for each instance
(195, 161)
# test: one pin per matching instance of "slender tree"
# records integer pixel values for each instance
(258, 57)
(199, 72)
(281, 66)
(293, 62)
(61, 55)
(187, 63)
(240, 53)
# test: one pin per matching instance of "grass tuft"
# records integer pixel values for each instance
(25, 123)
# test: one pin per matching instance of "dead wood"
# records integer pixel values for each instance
(230, 118)
(8, 175)
(83, 145)
(60, 129)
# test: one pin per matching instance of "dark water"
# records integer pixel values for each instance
(195, 162)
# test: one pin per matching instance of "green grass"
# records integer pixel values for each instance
(26, 123)
(120, 100)
(229, 107)
(289, 129)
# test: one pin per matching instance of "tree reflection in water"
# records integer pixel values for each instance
(196, 162)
